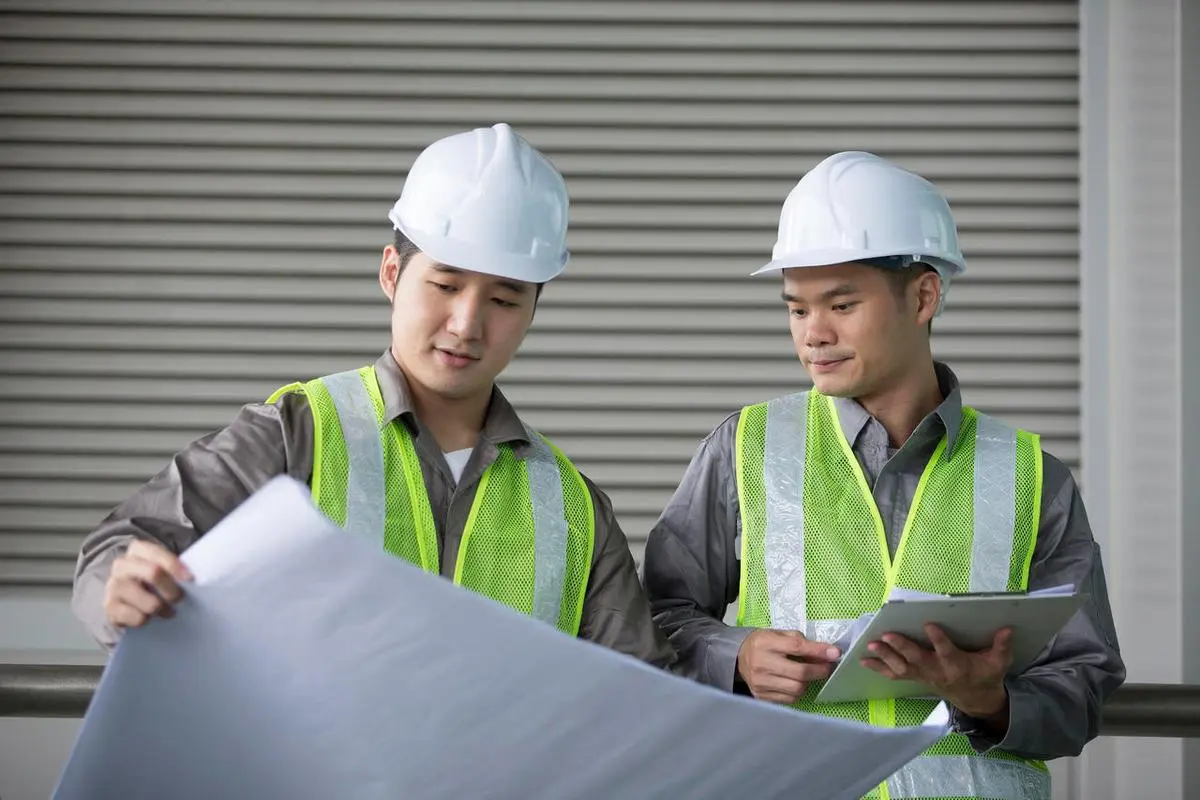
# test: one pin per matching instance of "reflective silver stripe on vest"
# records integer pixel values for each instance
(549, 529)
(826, 630)
(969, 776)
(366, 501)
(995, 504)
(783, 539)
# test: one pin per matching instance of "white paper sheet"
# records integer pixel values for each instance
(304, 663)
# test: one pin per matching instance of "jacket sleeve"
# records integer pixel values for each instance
(1055, 706)
(692, 564)
(616, 613)
(201, 484)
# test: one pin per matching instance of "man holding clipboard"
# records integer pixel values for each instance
(812, 509)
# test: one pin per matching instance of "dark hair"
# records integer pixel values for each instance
(900, 273)
(406, 250)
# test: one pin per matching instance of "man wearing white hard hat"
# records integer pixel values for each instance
(419, 452)
(809, 509)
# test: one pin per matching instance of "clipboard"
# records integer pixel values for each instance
(971, 622)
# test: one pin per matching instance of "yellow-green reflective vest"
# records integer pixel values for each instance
(815, 557)
(530, 533)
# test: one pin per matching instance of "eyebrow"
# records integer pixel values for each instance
(512, 286)
(841, 290)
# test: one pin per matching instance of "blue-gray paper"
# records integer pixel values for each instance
(306, 663)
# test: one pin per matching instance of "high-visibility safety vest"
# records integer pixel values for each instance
(815, 557)
(530, 534)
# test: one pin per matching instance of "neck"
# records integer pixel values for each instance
(901, 407)
(454, 422)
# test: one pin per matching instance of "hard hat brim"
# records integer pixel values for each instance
(830, 257)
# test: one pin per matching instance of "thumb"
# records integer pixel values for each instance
(801, 645)
(1002, 645)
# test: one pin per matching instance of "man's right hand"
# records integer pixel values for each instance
(779, 665)
(144, 583)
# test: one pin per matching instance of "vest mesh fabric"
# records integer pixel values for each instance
(497, 549)
(848, 569)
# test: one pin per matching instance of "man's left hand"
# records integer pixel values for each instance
(971, 682)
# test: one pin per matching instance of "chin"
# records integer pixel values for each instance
(453, 390)
(832, 386)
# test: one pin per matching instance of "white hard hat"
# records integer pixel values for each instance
(486, 201)
(856, 206)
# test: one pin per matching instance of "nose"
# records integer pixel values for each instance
(818, 332)
(466, 317)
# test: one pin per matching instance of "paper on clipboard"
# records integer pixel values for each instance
(971, 621)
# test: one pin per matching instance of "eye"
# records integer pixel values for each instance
(798, 312)
(504, 303)
(444, 288)
(844, 306)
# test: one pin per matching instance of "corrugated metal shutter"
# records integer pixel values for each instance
(194, 196)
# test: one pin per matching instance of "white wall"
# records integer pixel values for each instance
(1139, 377)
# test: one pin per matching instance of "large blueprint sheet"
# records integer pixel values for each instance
(306, 663)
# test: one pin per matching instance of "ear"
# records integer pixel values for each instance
(928, 287)
(389, 271)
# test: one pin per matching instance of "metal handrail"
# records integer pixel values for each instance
(1135, 709)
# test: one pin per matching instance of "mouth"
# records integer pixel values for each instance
(455, 358)
(826, 364)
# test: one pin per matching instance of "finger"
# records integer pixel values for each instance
(149, 573)
(906, 648)
(777, 698)
(784, 667)
(124, 616)
(893, 660)
(942, 645)
(780, 686)
(157, 554)
(794, 643)
(133, 593)
(878, 666)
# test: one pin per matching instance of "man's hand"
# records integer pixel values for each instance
(778, 665)
(971, 682)
(144, 583)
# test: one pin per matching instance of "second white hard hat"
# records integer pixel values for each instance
(856, 206)
(487, 201)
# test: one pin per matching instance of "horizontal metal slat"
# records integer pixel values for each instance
(248, 299)
(406, 141)
(227, 344)
(576, 88)
(17, 519)
(43, 545)
(586, 447)
(162, 442)
(983, 192)
(684, 167)
(759, 217)
(20, 572)
(361, 263)
(758, 379)
(410, 60)
(727, 115)
(537, 34)
(282, 237)
(592, 11)
(717, 397)
(192, 332)
(73, 413)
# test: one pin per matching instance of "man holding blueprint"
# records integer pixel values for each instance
(419, 453)
(813, 509)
